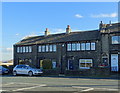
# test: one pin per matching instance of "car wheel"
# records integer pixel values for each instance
(30, 73)
(14, 73)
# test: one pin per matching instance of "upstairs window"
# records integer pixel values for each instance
(54, 48)
(51, 49)
(92, 46)
(30, 48)
(21, 49)
(69, 47)
(27, 50)
(82, 46)
(78, 46)
(115, 39)
(73, 46)
(43, 48)
(24, 49)
(87, 46)
(47, 48)
(39, 49)
(18, 49)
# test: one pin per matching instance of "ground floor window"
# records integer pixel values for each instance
(26, 61)
(48, 64)
(53, 63)
(85, 63)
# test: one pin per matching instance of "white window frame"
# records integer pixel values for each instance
(54, 48)
(50, 48)
(78, 46)
(73, 46)
(69, 47)
(87, 46)
(27, 49)
(94, 46)
(54, 63)
(39, 48)
(117, 38)
(18, 49)
(21, 49)
(24, 49)
(47, 48)
(85, 63)
(82, 46)
(43, 48)
(30, 48)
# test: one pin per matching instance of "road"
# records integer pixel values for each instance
(38, 83)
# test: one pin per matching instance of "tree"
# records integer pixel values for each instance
(47, 64)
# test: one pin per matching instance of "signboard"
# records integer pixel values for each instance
(114, 62)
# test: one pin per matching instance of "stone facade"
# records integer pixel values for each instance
(68, 62)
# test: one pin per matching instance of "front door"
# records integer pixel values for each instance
(114, 62)
(70, 64)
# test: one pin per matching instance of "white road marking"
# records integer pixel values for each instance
(88, 89)
(29, 88)
(8, 84)
(2, 90)
(107, 89)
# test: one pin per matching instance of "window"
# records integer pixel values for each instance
(30, 49)
(78, 46)
(115, 39)
(54, 48)
(87, 46)
(69, 47)
(23, 49)
(92, 46)
(39, 49)
(53, 63)
(85, 63)
(82, 46)
(73, 46)
(43, 48)
(47, 48)
(18, 49)
(27, 49)
(51, 48)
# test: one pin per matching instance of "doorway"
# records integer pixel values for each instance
(70, 64)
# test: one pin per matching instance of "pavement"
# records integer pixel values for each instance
(23, 84)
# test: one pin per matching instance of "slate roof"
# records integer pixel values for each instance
(63, 37)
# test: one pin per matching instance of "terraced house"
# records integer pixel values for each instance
(80, 52)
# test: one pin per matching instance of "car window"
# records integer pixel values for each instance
(19, 66)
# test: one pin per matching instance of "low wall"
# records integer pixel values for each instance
(88, 72)
(51, 71)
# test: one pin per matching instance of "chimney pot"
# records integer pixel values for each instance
(47, 32)
(46, 29)
(68, 29)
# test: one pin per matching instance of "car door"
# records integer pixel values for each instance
(18, 69)
(25, 70)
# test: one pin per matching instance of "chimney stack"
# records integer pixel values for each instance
(68, 29)
(47, 32)
(101, 25)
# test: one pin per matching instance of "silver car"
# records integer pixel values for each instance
(26, 70)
